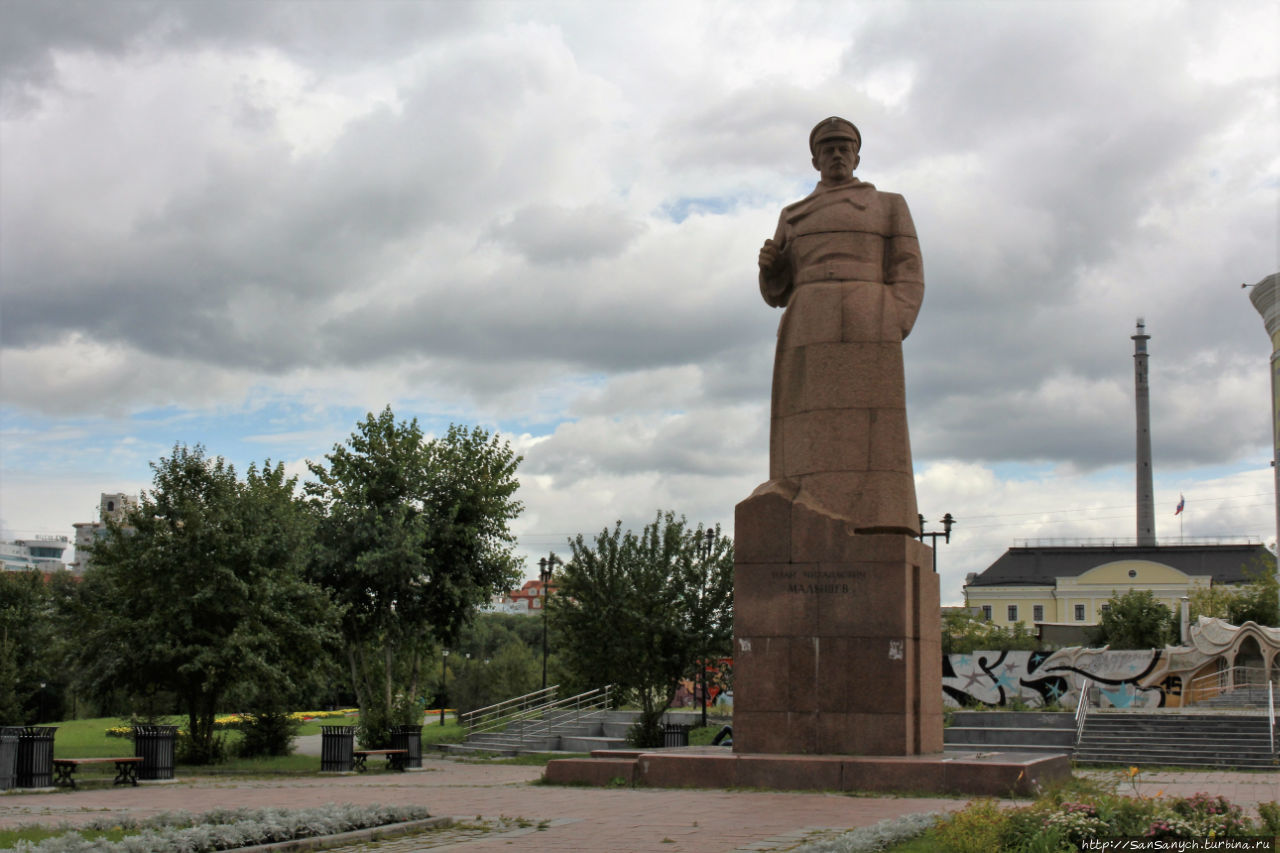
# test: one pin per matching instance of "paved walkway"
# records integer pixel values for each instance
(574, 819)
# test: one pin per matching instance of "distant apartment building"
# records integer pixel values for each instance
(527, 599)
(111, 507)
(43, 553)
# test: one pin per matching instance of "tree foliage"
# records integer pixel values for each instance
(26, 639)
(628, 613)
(497, 656)
(964, 632)
(413, 535)
(1135, 620)
(202, 589)
(1253, 601)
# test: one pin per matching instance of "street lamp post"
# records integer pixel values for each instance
(706, 544)
(945, 533)
(545, 567)
(444, 656)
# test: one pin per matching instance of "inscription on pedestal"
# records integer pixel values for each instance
(818, 581)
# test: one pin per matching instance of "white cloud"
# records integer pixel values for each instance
(247, 226)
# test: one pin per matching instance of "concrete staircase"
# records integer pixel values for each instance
(1011, 731)
(1177, 738)
(562, 731)
(1244, 697)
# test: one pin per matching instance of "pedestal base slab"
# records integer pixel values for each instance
(986, 774)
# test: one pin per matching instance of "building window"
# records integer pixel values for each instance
(1037, 613)
(1079, 612)
(986, 612)
(1013, 613)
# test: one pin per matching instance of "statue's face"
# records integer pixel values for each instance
(836, 159)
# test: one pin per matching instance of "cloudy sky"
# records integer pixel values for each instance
(246, 224)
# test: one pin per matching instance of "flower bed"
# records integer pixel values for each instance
(1061, 822)
(223, 722)
(222, 829)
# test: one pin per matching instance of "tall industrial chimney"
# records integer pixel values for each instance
(1142, 394)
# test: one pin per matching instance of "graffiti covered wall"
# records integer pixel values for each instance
(1035, 679)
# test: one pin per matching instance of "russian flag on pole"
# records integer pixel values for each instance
(1182, 503)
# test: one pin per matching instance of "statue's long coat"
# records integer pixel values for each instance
(852, 283)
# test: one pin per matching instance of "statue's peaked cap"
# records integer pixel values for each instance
(833, 127)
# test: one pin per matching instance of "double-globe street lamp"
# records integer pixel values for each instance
(705, 545)
(945, 533)
(444, 656)
(545, 567)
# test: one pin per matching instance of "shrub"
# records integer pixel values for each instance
(1269, 813)
(1212, 815)
(977, 828)
(267, 733)
(646, 732)
(190, 751)
(1077, 821)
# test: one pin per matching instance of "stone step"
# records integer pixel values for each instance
(1175, 758)
(1015, 719)
(1186, 739)
(1020, 736)
(588, 744)
(1046, 749)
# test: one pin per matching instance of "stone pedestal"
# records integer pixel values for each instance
(837, 635)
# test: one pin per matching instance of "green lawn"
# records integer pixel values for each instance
(89, 739)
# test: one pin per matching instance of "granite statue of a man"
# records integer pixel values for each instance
(845, 263)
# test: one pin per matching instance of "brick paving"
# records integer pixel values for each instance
(1245, 789)
(572, 819)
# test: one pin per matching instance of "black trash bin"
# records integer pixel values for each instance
(674, 734)
(35, 757)
(155, 746)
(9, 756)
(337, 745)
(408, 738)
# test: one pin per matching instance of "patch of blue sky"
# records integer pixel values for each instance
(1023, 471)
(538, 428)
(1173, 479)
(682, 208)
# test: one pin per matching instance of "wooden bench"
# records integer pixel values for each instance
(396, 758)
(126, 769)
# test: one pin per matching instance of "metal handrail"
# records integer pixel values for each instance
(1222, 681)
(508, 709)
(1271, 713)
(590, 702)
(531, 720)
(1082, 709)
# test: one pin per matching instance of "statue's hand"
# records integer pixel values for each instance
(769, 256)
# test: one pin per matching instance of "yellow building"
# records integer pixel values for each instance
(1070, 585)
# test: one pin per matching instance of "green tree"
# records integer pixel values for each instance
(706, 579)
(1256, 600)
(1135, 620)
(512, 670)
(413, 536)
(625, 616)
(497, 656)
(26, 632)
(964, 632)
(202, 589)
